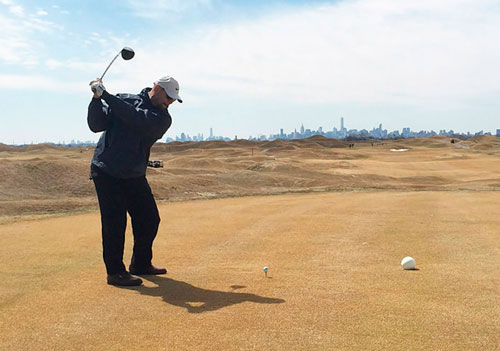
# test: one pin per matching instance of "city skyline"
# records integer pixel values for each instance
(341, 133)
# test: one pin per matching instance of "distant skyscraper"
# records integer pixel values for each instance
(498, 132)
(406, 132)
(211, 133)
(341, 123)
(302, 130)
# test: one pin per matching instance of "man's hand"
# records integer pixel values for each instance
(97, 87)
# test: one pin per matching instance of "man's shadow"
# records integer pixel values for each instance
(198, 300)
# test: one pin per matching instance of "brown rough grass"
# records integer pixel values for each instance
(333, 244)
(334, 281)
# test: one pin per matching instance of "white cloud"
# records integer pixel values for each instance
(14, 45)
(82, 66)
(39, 25)
(53, 64)
(41, 83)
(42, 13)
(17, 10)
(57, 7)
(18, 37)
(378, 51)
(156, 9)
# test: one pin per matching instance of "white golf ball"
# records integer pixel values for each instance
(266, 269)
(408, 262)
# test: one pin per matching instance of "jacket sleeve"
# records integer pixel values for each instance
(97, 116)
(148, 122)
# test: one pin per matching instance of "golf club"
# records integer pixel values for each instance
(127, 54)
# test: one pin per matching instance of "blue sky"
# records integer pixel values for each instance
(252, 67)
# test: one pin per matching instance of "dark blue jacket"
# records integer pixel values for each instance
(131, 125)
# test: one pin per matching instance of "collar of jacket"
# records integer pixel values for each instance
(144, 94)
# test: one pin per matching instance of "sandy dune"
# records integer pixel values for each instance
(334, 282)
(40, 179)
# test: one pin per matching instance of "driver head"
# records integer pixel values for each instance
(127, 53)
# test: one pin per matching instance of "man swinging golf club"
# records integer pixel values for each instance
(131, 124)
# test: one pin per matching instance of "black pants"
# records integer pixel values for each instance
(116, 198)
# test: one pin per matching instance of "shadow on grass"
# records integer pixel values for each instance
(198, 300)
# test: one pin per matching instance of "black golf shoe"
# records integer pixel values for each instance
(151, 270)
(123, 279)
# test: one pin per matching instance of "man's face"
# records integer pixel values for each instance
(159, 97)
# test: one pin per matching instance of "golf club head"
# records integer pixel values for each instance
(127, 53)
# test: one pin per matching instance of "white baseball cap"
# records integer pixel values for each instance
(171, 87)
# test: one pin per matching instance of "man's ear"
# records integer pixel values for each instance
(156, 88)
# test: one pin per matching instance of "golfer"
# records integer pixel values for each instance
(131, 124)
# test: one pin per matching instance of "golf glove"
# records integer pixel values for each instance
(97, 87)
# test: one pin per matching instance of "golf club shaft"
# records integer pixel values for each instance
(110, 64)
